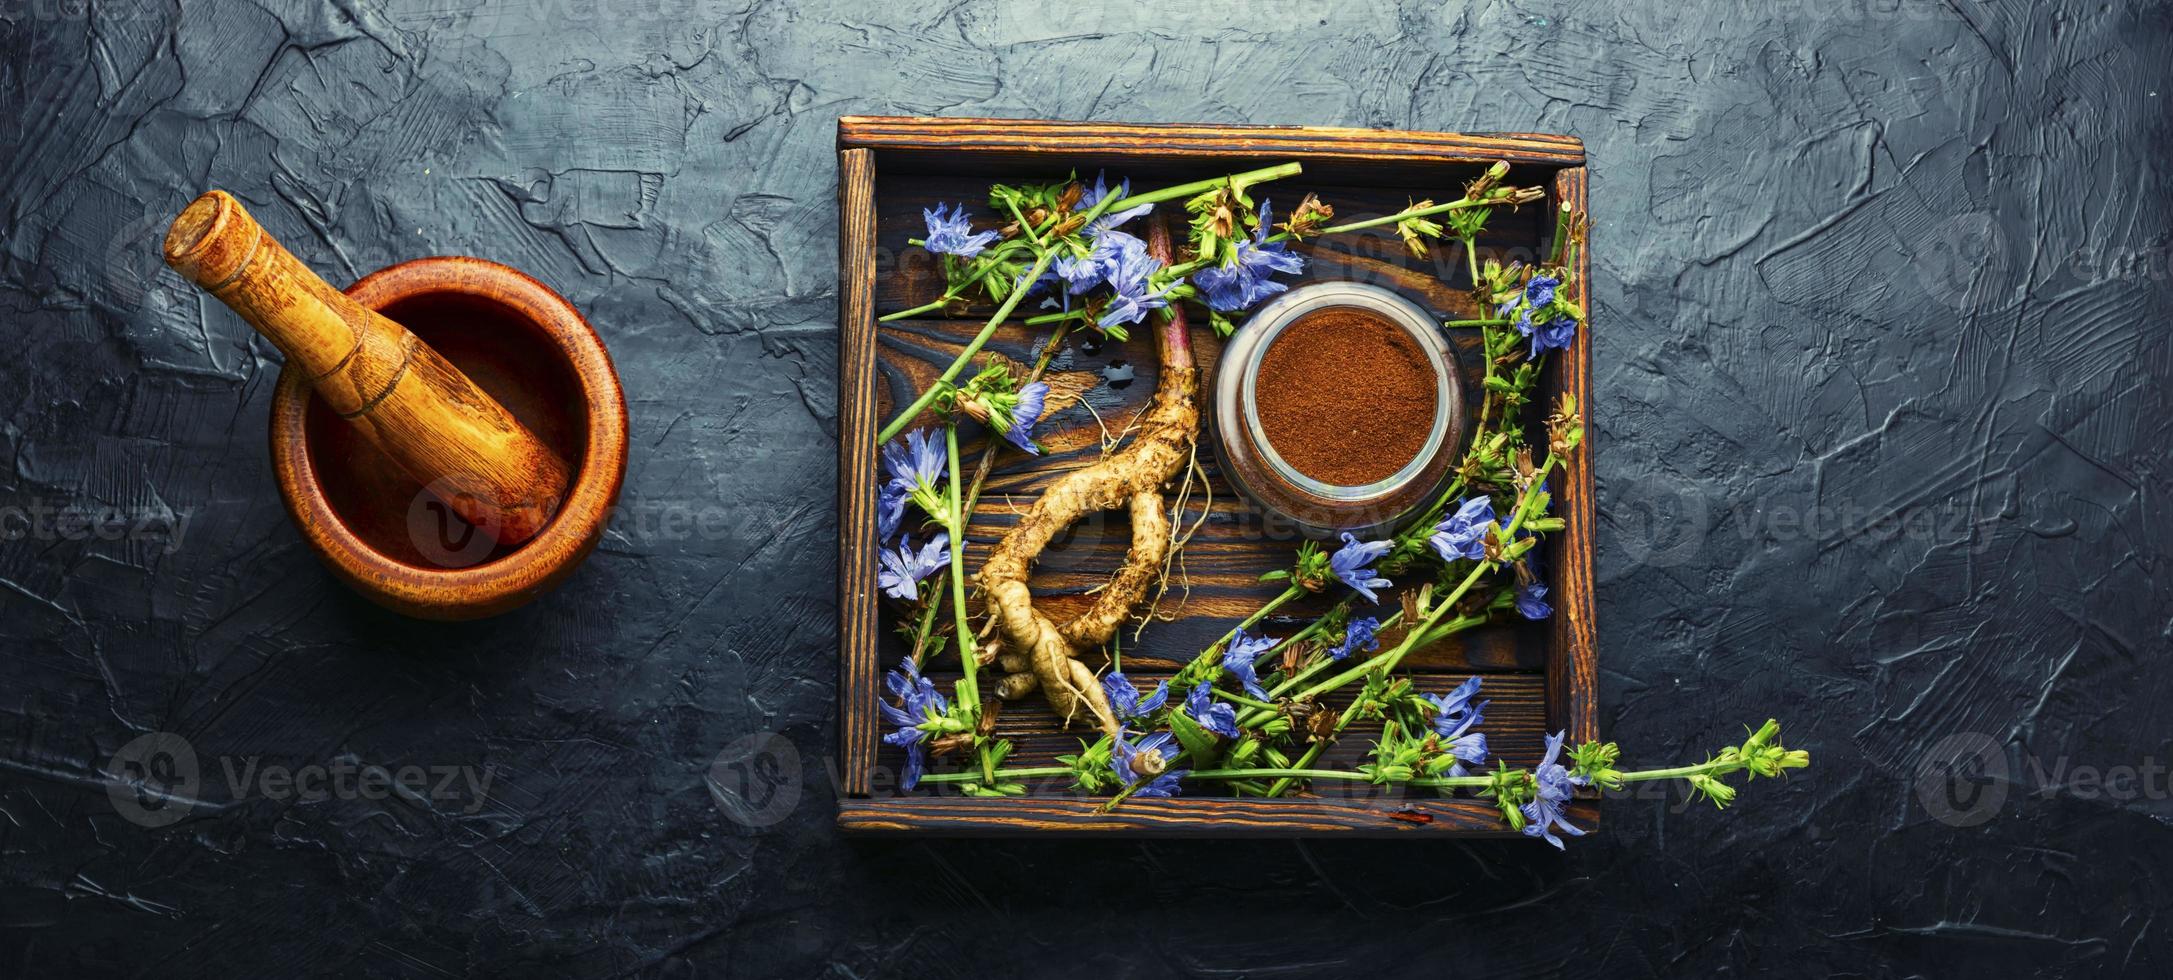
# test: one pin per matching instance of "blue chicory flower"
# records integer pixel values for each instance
(918, 702)
(890, 509)
(1247, 278)
(1025, 413)
(1127, 761)
(1540, 291)
(1454, 718)
(1109, 252)
(1463, 534)
(903, 568)
(1077, 273)
(1128, 272)
(917, 463)
(1532, 601)
(1554, 787)
(1238, 660)
(1353, 564)
(1215, 716)
(1125, 700)
(951, 234)
(1093, 196)
(1357, 636)
(1554, 334)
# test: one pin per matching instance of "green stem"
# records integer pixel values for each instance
(1495, 322)
(1714, 767)
(972, 776)
(1387, 662)
(1350, 713)
(1289, 592)
(1241, 699)
(927, 625)
(1486, 389)
(1390, 219)
(1298, 772)
(929, 307)
(995, 445)
(1031, 235)
(1471, 258)
(956, 519)
(1041, 264)
(1048, 318)
(973, 347)
(1561, 234)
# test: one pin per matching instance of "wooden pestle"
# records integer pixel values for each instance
(404, 397)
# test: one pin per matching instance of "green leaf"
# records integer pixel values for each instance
(1199, 743)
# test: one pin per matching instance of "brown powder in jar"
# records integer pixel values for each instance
(1346, 396)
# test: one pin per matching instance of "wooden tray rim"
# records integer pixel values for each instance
(1572, 665)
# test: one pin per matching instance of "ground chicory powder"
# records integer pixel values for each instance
(1346, 396)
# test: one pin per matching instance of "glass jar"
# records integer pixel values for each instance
(1319, 509)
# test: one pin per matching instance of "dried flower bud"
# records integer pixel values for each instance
(1525, 195)
(1308, 218)
(951, 745)
(1223, 219)
(1321, 727)
(1070, 198)
(1486, 181)
(986, 724)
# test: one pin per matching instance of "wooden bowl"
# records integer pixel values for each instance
(388, 536)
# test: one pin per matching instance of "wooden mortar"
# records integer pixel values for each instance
(448, 433)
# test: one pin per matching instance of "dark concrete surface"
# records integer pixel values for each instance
(1883, 362)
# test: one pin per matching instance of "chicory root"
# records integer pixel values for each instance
(1132, 478)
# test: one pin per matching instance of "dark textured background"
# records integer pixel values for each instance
(1883, 406)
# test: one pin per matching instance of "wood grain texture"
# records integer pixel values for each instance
(858, 616)
(1181, 817)
(1097, 388)
(1573, 657)
(1052, 139)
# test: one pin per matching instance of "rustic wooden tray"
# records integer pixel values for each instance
(1541, 677)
